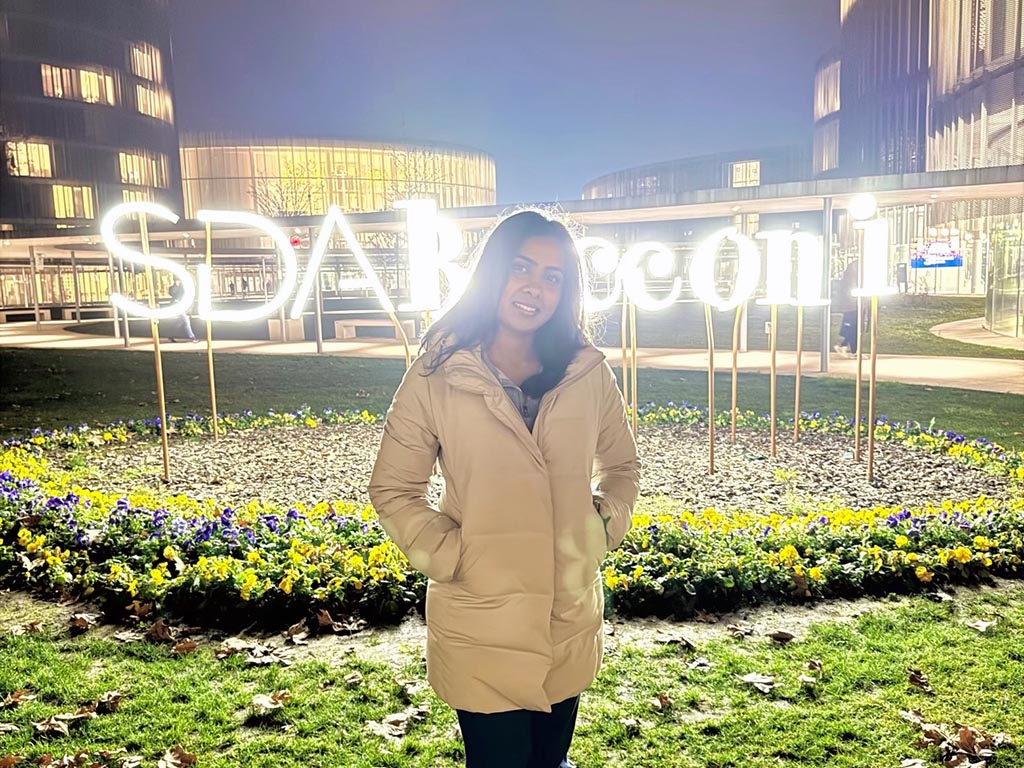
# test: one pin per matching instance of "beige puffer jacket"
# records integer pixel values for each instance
(514, 598)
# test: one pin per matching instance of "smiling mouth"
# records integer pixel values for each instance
(526, 309)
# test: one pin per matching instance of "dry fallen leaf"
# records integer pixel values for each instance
(700, 664)
(109, 702)
(176, 757)
(814, 665)
(139, 609)
(808, 680)
(345, 627)
(50, 724)
(159, 633)
(80, 622)
(782, 637)
(9, 728)
(186, 646)
(396, 725)
(632, 727)
(409, 688)
(913, 763)
(918, 678)
(353, 679)
(231, 646)
(267, 702)
(296, 629)
(20, 696)
(9, 761)
(665, 637)
(263, 655)
(128, 637)
(763, 683)
(299, 638)
(982, 626)
(914, 716)
(662, 702)
(940, 596)
(705, 617)
(33, 627)
(967, 748)
(739, 631)
(86, 712)
(800, 586)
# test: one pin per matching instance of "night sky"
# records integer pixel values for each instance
(558, 91)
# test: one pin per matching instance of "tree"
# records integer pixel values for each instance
(298, 191)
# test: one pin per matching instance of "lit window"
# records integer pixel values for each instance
(153, 102)
(29, 158)
(146, 62)
(145, 170)
(53, 82)
(826, 90)
(136, 195)
(72, 202)
(746, 173)
(89, 85)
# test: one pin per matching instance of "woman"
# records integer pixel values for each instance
(541, 475)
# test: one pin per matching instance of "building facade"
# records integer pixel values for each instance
(86, 111)
(299, 176)
(883, 75)
(933, 85)
(744, 168)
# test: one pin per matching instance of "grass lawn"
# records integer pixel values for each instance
(49, 389)
(849, 718)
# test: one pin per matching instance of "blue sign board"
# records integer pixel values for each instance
(937, 254)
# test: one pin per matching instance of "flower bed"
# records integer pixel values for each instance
(976, 451)
(261, 561)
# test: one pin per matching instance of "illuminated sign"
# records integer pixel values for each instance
(435, 243)
(937, 253)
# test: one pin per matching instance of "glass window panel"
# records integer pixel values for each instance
(29, 158)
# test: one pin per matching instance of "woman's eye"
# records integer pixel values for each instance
(554, 279)
(518, 268)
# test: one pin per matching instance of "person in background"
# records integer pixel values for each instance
(846, 303)
(176, 291)
(541, 474)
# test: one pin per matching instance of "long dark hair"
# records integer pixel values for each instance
(473, 320)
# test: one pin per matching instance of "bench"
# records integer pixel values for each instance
(24, 315)
(346, 329)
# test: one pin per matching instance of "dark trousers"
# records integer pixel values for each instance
(848, 330)
(519, 739)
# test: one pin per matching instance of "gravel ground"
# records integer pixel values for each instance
(289, 465)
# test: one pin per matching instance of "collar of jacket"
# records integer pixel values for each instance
(466, 370)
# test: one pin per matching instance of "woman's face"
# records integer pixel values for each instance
(534, 285)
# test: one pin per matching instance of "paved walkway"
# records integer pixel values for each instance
(973, 331)
(984, 374)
